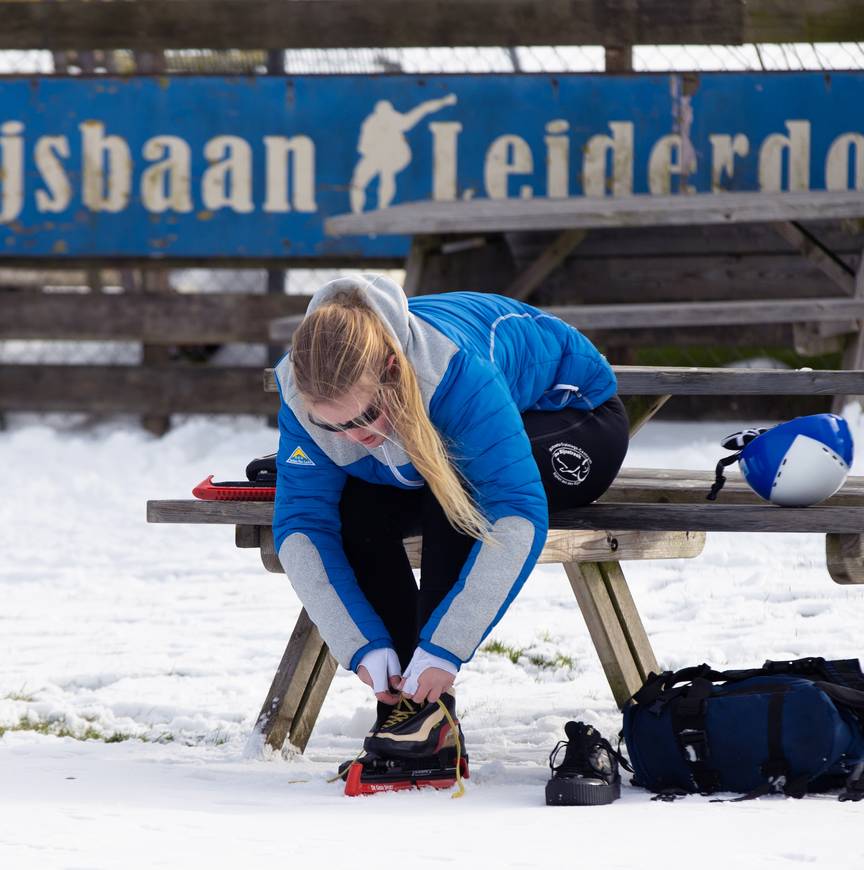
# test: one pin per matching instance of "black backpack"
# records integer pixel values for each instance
(789, 727)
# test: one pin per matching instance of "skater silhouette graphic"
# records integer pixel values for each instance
(384, 150)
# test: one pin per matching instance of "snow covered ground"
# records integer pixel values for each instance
(134, 659)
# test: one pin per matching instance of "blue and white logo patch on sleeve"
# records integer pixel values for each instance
(298, 457)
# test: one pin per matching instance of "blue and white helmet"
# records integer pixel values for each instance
(793, 464)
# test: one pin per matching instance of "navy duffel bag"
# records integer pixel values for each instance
(789, 727)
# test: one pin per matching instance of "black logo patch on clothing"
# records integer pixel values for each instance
(570, 464)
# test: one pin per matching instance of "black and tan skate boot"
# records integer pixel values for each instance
(416, 745)
(588, 773)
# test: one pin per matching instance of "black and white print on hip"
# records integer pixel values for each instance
(571, 465)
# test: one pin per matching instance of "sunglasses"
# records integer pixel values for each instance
(369, 416)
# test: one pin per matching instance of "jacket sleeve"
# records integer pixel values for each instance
(307, 535)
(483, 429)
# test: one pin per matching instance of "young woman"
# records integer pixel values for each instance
(466, 417)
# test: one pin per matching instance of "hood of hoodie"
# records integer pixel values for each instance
(383, 295)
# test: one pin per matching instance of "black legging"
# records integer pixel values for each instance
(578, 454)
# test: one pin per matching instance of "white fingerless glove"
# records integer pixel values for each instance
(382, 664)
(419, 662)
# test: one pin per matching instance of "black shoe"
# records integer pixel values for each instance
(588, 774)
(416, 731)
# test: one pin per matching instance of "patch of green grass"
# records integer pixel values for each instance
(499, 649)
(20, 695)
(59, 728)
(559, 660)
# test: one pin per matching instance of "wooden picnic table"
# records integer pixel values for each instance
(646, 514)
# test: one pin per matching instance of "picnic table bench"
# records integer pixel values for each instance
(646, 514)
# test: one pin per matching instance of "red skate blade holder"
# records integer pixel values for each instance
(355, 784)
(233, 490)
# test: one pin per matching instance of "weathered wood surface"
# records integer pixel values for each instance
(671, 315)
(812, 249)
(176, 388)
(844, 238)
(660, 316)
(633, 486)
(714, 518)
(687, 514)
(845, 558)
(529, 280)
(672, 279)
(625, 666)
(679, 381)
(506, 215)
(170, 318)
(298, 689)
(153, 25)
(561, 546)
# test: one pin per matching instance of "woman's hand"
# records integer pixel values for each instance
(426, 677)
(381, 670)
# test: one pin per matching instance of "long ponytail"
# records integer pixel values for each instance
(343, 343)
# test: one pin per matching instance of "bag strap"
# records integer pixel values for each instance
(688, 725)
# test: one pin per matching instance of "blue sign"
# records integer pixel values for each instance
(250, 167)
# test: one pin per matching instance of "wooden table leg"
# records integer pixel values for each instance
(614, 624)
(298, 691)
(845, 557)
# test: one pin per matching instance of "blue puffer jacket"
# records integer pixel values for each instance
(480, 360)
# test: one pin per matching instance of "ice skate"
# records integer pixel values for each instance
(414, 746)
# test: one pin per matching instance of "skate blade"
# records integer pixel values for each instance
(359, 781)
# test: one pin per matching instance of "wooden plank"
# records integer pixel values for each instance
(563, 546)
(678, 381)
(154, 25)
(172, 318)
(673, 315)
(844, 238)
(247, 537)
(610, 640)
(505, 215)
(640, 409)
(642, 485)
(672, 486)
(568, 546)
(710, 517)
(176, 388)
(813, 250)
(699, 277)
(269, 556)
(853, 352)
(529, 280)
(652, 381)
(629, 619)
(845, 558)
(297, 690)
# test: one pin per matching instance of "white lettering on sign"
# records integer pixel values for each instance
(48, 153)
(106, 168)
(839, 162)
(724, 150)
(227, 182)
(507, 155)
(793, 151)
(557, 159)
(444, 161)
(296, 190)
(166, 185)
(169, 176)
(12, 168)
(595, 176)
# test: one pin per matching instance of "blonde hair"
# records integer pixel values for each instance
(344, 343)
